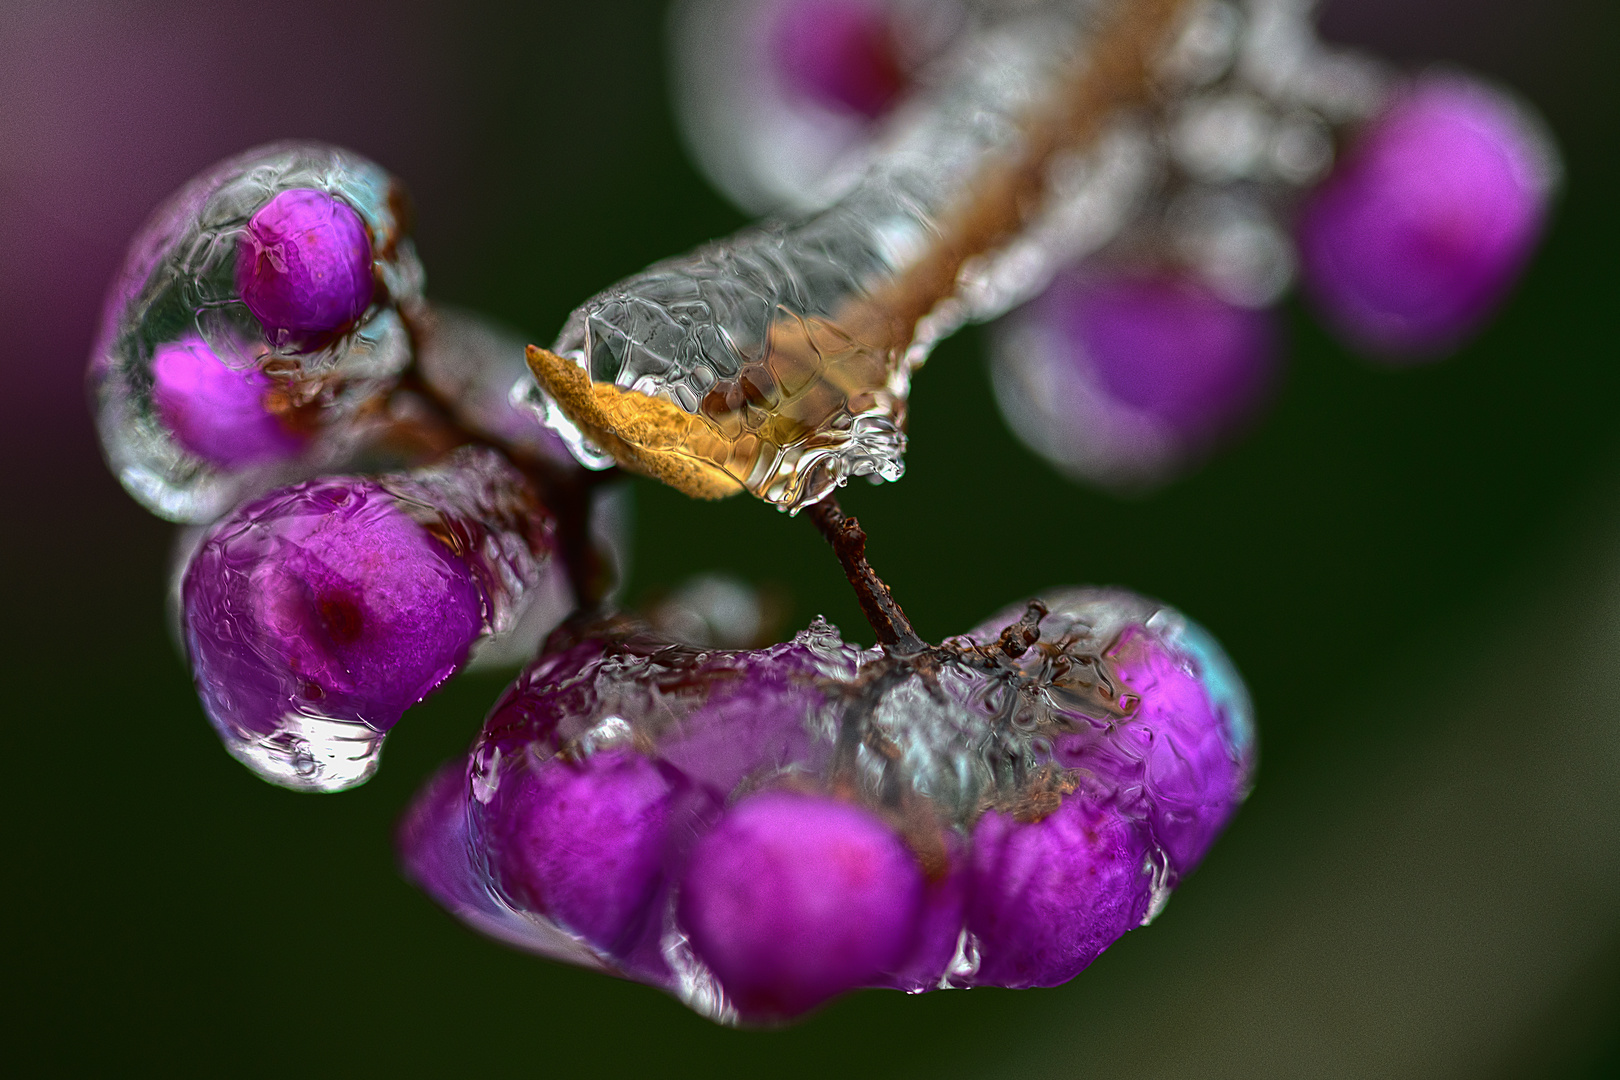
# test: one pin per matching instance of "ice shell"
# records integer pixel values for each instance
(793, 899)
(1128, 381)
(216, 410)
(1428, 221)
(1048, 897)
(583, 842)
(179, 283)
(304, 266)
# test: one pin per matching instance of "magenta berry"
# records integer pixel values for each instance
(841, 54)
(244, 330)
(218, 411)
(1048, 896)
(317, 615)
(794, 898)
(1430, 218)
(583, 842)
(1129, 380)
(325, 600)
(304, 267)
(993, 812)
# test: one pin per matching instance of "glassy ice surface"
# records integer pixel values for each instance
(255, 312)
(759, 831)
(316, 615)
(1129, 381)
(779, 361)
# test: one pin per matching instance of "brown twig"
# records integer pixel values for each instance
(848, 542)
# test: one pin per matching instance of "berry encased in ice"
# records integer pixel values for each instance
(219, 411)
(583, 842)
(995, 810)
(1128, 380)
(794, 898)
(304, 267)
(326, 596)
(290, 263)
(841, 54)
(1427, 222)
(1047, 897)
(316, 615)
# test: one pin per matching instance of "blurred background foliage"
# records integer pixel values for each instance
(1418, 571)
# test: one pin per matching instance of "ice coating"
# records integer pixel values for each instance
(316, 615)
(759, 831)
(1420, 233)
(779, 361)
(1128, 380)
(316, 238)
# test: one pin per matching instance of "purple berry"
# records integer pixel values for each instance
(1428, 221)
(583, 842)
(304, 267)
(1047, 897)
(1110, 737)
(217, 411)
(317, 615)
(1181, 751)
(1129, 380)
(794, 898)
(323, 593)
(841, 54)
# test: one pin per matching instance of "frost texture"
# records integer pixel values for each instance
(178, 298)
(1061, 774)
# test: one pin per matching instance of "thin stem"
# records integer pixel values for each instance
(848, 542)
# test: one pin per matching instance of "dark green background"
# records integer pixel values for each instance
(1416, 570)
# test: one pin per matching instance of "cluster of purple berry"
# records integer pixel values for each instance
(757, 830)
(1408, 205)
(371, 510)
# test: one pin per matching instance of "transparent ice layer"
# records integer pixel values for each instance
(316, 615)
(179, 347)
(1052, 775)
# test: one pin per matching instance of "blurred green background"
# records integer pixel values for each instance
(1418, 571)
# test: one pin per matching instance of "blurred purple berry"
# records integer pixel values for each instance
(583, 842)
(794, 898)
(1047, 897)
(841, 54)
(304, 267)
(1429, 219)
(1129, 380)
(217, 411)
